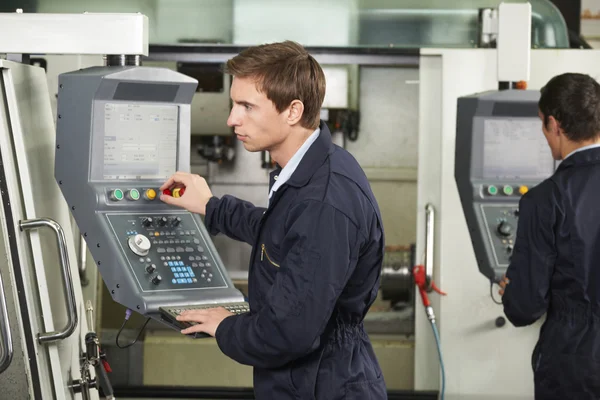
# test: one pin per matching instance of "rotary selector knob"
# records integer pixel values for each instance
(504, 229)
(139, 244)
(176, 221)
(157, 279)
(147, 222)
(150, 268)
(162, 221)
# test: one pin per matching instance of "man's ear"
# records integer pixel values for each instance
(553, 126)
(295, 112)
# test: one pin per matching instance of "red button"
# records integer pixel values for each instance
(167, 192)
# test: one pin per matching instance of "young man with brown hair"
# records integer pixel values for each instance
(317, 248)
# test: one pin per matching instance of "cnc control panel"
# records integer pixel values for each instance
(121, 133)
(501, 153)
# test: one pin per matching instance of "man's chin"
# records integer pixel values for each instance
(249, 147)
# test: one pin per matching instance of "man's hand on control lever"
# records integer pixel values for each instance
(196, 195)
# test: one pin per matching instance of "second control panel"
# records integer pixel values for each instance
(166, 251)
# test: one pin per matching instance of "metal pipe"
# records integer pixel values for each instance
(429, 243)
(68, 290)
(83, 262)
(121, 60)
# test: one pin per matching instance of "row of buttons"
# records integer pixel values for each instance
(175, 241)
(176, 281)
(195, 265)
(132, 194)
(169, 258)
(161, 250)
(173, 233)
(508, 190)
(172, 241)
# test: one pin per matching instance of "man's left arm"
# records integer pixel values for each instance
(526, 296)
(322, 247)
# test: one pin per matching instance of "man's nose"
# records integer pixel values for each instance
(233, 119)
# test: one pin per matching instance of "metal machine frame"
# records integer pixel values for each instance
(38, 358)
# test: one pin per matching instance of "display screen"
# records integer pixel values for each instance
(516, 149)
(140, 141)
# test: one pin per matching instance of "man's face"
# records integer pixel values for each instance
(254, 118)
(552, 134)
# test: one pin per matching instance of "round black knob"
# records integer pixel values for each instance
(150, 268)
(147, 222)
(500, 322)
(176, 221)
(156, 280)
(162, 221)
(504, 229)
(516, 212)
(509, 249)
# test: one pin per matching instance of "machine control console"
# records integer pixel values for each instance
(501, 153)
(123, 132)
(166, 251)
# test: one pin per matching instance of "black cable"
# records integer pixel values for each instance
(136, 339)
(492, 294)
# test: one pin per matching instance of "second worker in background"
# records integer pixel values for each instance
(317, 249)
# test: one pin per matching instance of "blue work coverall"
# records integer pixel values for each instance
(555, 269)
(314, 272)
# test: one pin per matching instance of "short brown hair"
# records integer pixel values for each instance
(284, 72)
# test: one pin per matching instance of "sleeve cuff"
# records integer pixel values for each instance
(211, 208)
(224, 332)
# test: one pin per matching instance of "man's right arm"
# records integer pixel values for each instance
(233, 217)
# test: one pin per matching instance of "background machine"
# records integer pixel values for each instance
(476, 160)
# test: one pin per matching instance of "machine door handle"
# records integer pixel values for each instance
(429, 243)
(49, 337)
(5, 333)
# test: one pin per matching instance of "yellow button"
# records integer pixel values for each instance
(156, 234)
(150, 194)
(523, 189)
(176, 192)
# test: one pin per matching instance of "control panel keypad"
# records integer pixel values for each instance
(167, 251)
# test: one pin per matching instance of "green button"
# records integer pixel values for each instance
(117, 194)
(493, 190)
(508, 190)
(135, 195)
